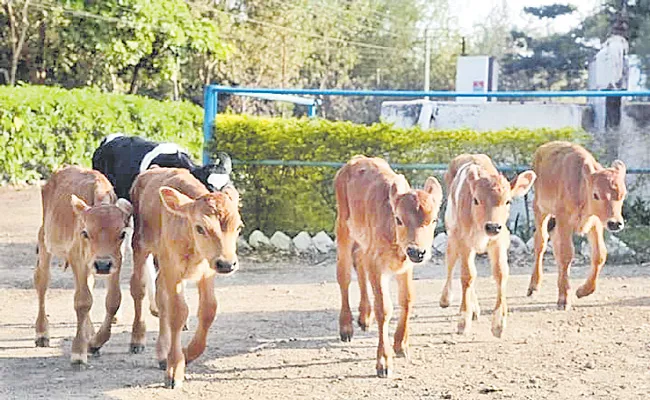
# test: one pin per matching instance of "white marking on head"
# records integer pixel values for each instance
(163, 148)
(112, 136)
(461, 177)
(218, 180)
(459, 181)
(450, 221)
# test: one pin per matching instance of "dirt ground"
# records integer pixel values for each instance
(276, 335)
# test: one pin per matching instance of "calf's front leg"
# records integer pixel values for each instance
(207, 313)
(177, 315)
(498, 254)
(598, 258)
(451, 259)
(83, 301)
(469, 302)
(383, 311)
(113, 300)
(406, 297)
(564, 252)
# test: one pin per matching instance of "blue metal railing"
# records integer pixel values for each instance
(423, 166)
(211, 102)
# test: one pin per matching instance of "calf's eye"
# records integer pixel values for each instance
(122, 235)
(84, 234)
(508, 202)
(475, 201)
(398, 221)
(200, 230)
(596, 197)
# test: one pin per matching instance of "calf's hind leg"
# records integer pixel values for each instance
(41, 282)
(365, 306)
(343, 275)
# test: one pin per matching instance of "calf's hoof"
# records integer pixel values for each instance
(464, 324)
(497, 329)
(78, 366)
(94, 351)
(346, 332)
(402, 352)
(185, 328)
(171, 383)
(136, 348)
(475, 315)
(364, 324)
(79, 362)
(584, 291)
(162, 364)
(531, 291)
(42, 341)
(384, 373)
(563, 305)
(444, 302)
(153, 312)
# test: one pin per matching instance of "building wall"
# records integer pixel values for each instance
(485, 116)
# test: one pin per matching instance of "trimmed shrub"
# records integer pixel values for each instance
(292, 199)
(42, 128)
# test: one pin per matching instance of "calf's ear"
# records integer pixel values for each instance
(125, 206)
(433, 187)
(522, 184)
(78, 205)
(231, 192)
(173, 200)
(399, 186)
(619, 166)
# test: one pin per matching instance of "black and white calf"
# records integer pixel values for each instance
(121, 158)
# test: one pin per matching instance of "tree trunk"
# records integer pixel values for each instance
(134, 79)
(17, 40)
(40, 56)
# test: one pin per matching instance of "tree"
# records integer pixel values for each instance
(552, 62)
(18, 26)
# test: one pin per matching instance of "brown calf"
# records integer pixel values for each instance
(478, 206)
(574, 194)
(383, 228)
(84, 225)
(192, 235)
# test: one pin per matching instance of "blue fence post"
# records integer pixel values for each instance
(311, 111)
(210, 99)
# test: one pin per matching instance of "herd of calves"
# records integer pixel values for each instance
(186, 222)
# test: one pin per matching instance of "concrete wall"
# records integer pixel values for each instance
(486, 116)
(633, 139)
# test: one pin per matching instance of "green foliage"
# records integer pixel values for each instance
(551, 11)
(301, 198)
(42, 128)
(551, 62)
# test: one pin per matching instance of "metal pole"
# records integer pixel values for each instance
(427, 61)
(209, 114)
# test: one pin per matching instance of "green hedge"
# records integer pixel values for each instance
(43, 127)
(301, 198)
